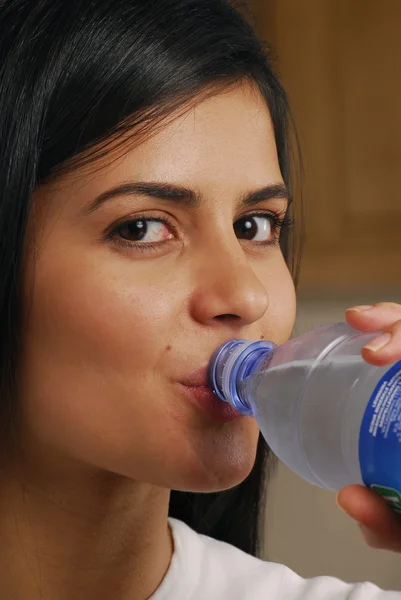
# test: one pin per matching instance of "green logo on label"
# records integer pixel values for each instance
(390, 495)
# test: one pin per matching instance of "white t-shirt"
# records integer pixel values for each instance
(205, 569)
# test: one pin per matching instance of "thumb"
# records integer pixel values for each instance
(379, 524)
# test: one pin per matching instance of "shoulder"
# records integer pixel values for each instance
(222, 571)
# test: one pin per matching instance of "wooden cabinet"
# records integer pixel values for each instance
(340, 62)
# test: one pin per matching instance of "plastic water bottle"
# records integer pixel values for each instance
(327, 414)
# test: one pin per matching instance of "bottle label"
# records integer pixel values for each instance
(380, 439)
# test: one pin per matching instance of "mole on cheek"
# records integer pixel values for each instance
(168, 347)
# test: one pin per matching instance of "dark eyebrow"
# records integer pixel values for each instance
(181, 195)
(276, 190)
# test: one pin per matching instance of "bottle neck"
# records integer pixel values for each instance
(250, 359)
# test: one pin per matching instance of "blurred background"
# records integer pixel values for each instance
(340, 61)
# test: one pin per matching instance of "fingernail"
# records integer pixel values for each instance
(361, 308)
(379, 342)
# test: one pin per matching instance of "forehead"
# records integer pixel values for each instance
(226, 140)
(230, 127)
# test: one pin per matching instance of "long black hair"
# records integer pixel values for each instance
(76, 77)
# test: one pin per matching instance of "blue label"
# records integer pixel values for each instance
(380, 439)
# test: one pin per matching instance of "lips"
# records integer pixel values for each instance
(196, 389)
(196, 379)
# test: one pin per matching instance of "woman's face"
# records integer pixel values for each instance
(131, 295)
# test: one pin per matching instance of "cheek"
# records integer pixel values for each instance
(95, 344)
(102, 314)
(94, 360)
(279, 320)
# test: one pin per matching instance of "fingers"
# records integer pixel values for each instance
(375, 540)
(386, 317)
(366, 507)
(374, 318)
(379, 524)
(386, 348)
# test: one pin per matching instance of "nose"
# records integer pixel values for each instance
(228, 289)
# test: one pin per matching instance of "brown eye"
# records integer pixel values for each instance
(254, 228)
(144, 231)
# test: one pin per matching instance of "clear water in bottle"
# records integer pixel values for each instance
(326, 413)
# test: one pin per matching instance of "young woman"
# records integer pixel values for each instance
(145, 207)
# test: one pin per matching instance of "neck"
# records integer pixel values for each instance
(81, 535)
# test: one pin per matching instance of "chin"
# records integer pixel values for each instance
(214, 467)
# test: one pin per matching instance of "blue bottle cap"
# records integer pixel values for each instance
(231, 364)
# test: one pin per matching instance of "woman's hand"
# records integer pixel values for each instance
(379, 524)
